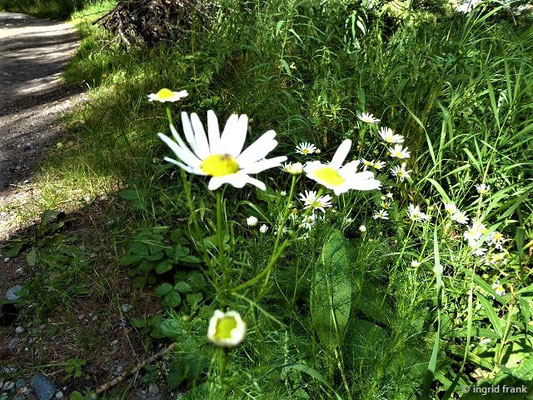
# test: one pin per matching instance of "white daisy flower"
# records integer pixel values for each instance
(252, 221)
(388, 136)
(497, 239)
(389, 195)
(165, 95)
(482, 188)
(221, 156)
(293, 168)
(362, 228)
(308, 221)
(226, 329)
(479, 252)
(415, 263)
(378, 164)
(381, 214)
(400, 172)
(460, 218)
(341, 179)
(310, 199)
(263, 228)
(367, 163)
(451, 208)
(294, 214)
(498, 288)
(414, 213)
(283, 193)
(399, 152)
(306, 148)
(367, 118)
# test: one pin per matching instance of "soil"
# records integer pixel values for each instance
(33, 52)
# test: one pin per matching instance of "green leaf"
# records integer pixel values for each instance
(163, 289)
(178, 252)
(14, 250)
(32, 257)
(190, 260)
(129, 194)
(497, 324)
(193, 299)
(130, 259)
(312, 373)
(331, 292)
(163, 267)
(183, 287)
(171, 328)
(172, 299)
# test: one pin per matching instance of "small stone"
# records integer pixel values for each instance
(44, 388)
(12, 293)
(81, 316)
(126, 308)
(59, 395)
(20, 383)
(6, 259)
(9, 386)
(114, 342)
(153, 389)
(19, 329)
(19, 271)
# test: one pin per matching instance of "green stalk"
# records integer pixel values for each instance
(220, 240)
(222, 362)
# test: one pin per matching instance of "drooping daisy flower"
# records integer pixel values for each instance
(451, 208)
(283, 193)
(165, 95)
(388, 136)
(221, 156)
(263, 228)
(479, 252)
(251, 221)
(460, 218)
(496, 239)
(308, 221)
(362, 228)
(378, 164)
(341, 179)
(415, 263)
(293, 168)
(226, 329)
(414, 213)
(310, 199)
(482, 188)
(381, 214)
(367, 118)
(498, 288)
(306, 148)
(294, 214)
(385, 205)
(399, 152)
(389, 195)
(400, 172)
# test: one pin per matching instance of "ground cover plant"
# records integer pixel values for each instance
(337, 205)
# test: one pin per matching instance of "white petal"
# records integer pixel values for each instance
(262, 165)
(256, 182)
(258, 150)
(216, 182)
(226, 138)
(340, 154)
(200, 137)
(213, 132)
(187, 130)
(189, 154)
(185, 155)
(190, 170)
(233, 140)
(350, 168)
(361, 182)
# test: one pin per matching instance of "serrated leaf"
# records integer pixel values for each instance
(171, 328)
(172, 299)
(163, 289)
(183, 287)
(331, 294)
(163, 267)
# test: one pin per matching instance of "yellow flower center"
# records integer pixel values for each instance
(219, 165)
(165, 93)
(389, 139)
(305, 151)
(498, 236)
(330, 176)
(224, 327)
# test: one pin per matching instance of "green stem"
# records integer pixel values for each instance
(222, 362)
(220, 239)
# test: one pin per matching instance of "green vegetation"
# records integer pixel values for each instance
(402, 310)
(54, 9)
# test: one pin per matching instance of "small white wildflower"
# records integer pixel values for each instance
(306, 148)
(308, 221)
(310, 199)
(414, 213)
(460, 218)
(381, 214)
(388, 136)
(293, 168)
(498, 288)
(415, 263)
(482, 188)
(400, 172)
(497, 240)
(226, 329)
(389, 195)
(399, 152)
(263, 228)
(367, 118)
(283, 193)
(362, 228)
(165, 95)
(251, 221)
(451, 208)
(479, 252)
(378, 165)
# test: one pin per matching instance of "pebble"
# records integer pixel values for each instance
(59, 395)
(44, 388)
(6, 259)
(19, 329)
(12, 293)
(9, 386)
(19, 271)
(153, 389)
(114, 342)
(126, 308)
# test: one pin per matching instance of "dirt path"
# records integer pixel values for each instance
(33, 52)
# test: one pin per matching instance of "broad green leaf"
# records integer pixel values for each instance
(171, 328)
(129, 194)
(497, 324)
(32, 257)
(130, 259)
(331, 292)
(172, 299)
(163, 267)
(183, 287)
(163, 289)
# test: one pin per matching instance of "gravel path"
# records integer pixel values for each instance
(33, 52)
